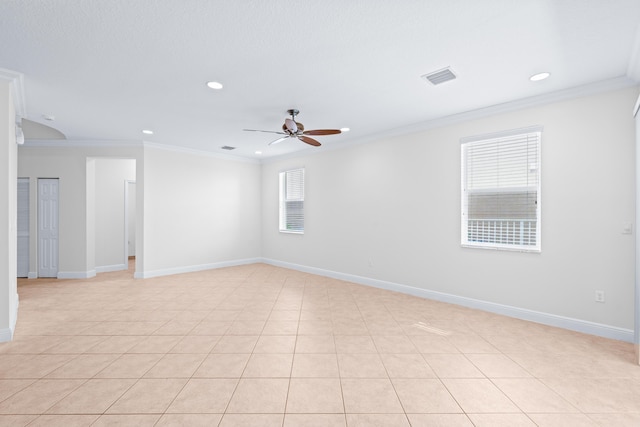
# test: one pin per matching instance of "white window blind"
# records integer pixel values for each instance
(501, 190)
(292, 201)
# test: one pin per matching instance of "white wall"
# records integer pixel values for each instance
(76, 210)
(8, 213)
(193, 211)
(390, 211)
(90, 217)
(637, 260)
(387, 213)
(110, 177)
(200, 211)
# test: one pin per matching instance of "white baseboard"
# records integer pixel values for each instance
(76, 274)
(32, 275)
(192, 268)
(577, 325)
(109, 268)
(6, 334)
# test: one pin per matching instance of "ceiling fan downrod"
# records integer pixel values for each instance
(293, 112)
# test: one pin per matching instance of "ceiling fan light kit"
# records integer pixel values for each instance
(293, 129)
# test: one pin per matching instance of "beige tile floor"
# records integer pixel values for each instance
(258, 345)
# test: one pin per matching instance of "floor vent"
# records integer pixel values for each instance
(226, 147)
(440, 76)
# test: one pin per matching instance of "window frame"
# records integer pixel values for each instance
(464, 193)
(282, 201)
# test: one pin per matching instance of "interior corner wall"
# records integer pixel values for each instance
(8, 214)
(110, 177)
(389, 211)
(200, 212)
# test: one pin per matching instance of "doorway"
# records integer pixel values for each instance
(48, 227)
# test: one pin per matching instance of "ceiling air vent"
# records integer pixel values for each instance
(226, 147)
(440, 76)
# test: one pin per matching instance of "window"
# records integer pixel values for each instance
(501, 190)
(292, 201)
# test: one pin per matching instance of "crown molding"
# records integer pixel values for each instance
(16, 80)
(609, 85)
(633, 69)
(595, 88)
(534, 101)
(196, 152)
(80, 143)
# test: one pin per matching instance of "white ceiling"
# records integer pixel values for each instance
(108, 69)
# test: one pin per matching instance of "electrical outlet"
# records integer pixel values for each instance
(599, 296)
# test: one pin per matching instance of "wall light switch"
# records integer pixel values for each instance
(627, 228)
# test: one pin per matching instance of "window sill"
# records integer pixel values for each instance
(291, 232)
(502, 248)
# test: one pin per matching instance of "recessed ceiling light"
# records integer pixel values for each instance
(344, 129)
(258, 152)
(147, 132)
(539, 76)
(214, 85)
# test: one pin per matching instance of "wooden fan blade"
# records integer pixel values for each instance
(322, 132)
(309, 141)
(265, 131)
(278, 140)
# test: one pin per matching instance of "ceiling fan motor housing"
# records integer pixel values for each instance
(289, 127)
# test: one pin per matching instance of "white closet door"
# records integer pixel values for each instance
(23, 227)
(47, 228)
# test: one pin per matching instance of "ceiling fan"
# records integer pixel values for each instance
(293, 129)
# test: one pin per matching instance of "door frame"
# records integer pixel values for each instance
(636, 311)
(26, 180)
(126, 219)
